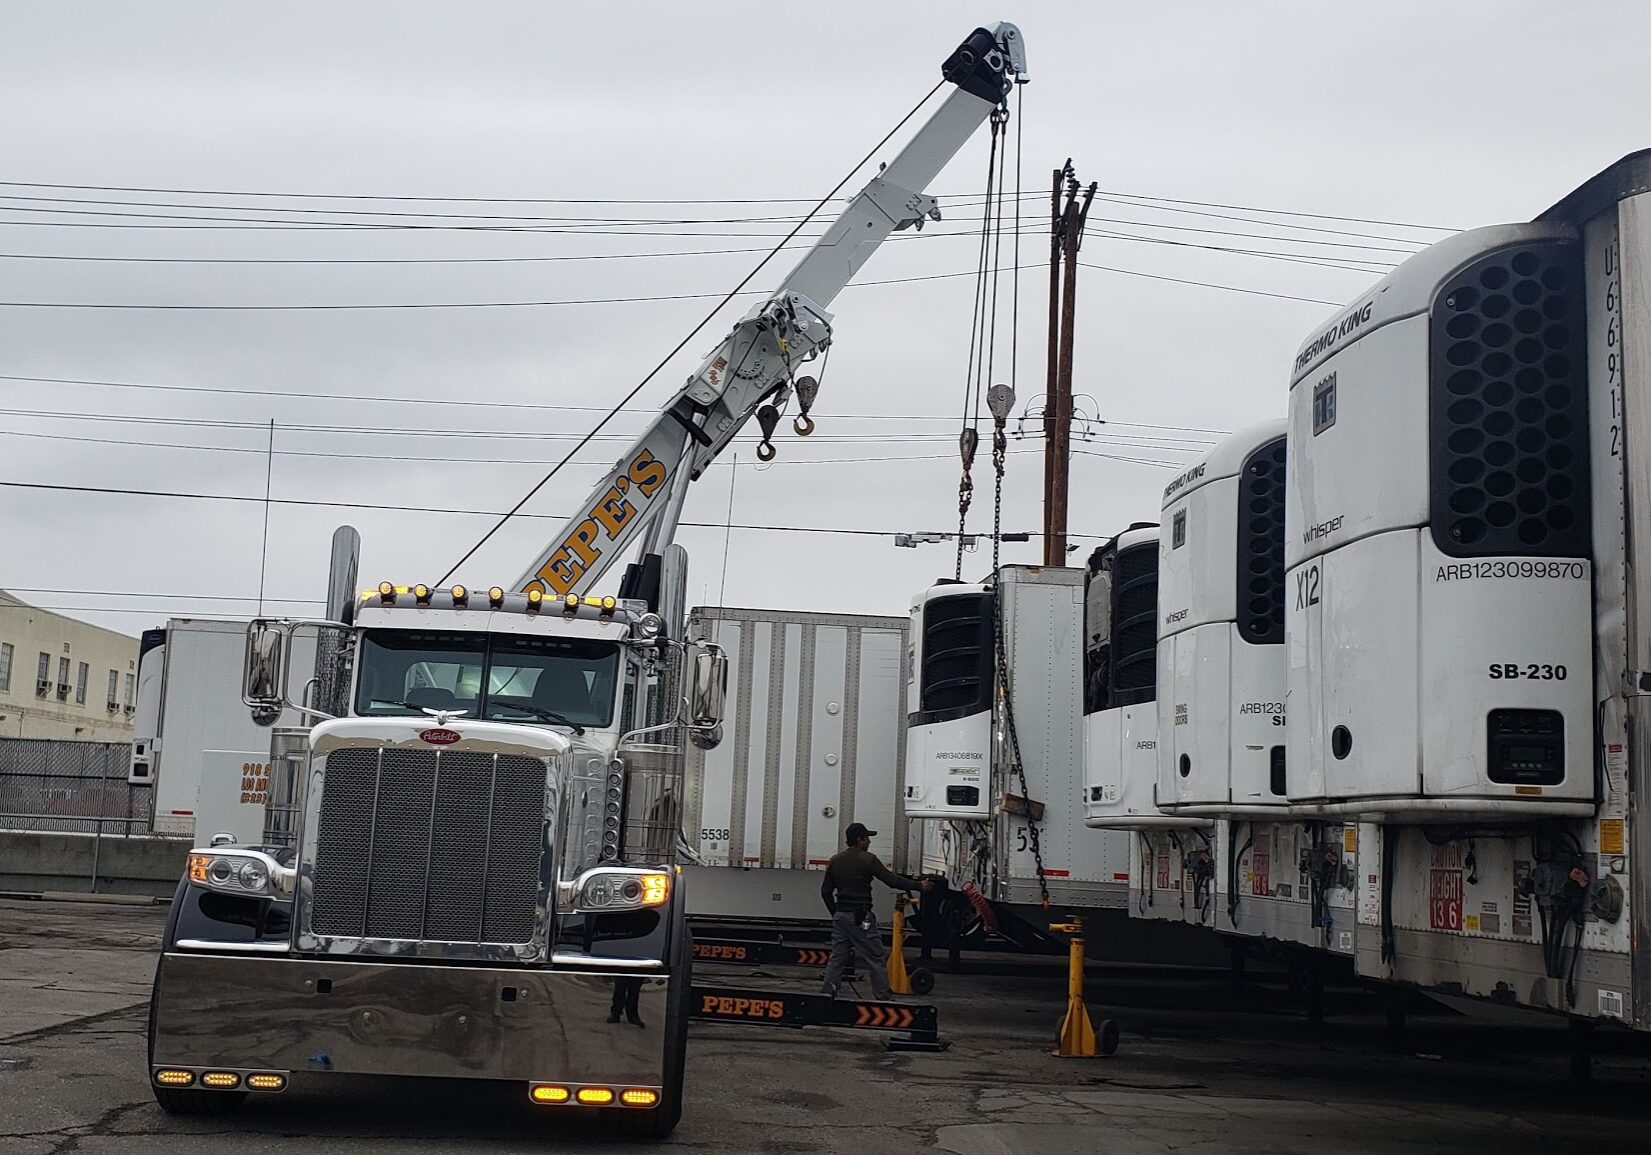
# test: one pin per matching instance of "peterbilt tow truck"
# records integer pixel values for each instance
(468, 866)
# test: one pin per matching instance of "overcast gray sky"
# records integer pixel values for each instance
(1431, 114)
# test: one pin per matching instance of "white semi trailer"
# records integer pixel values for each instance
(816, 741)
(995, 756)
(1217, 843)
(1460, 798)
(1466, 616)
(201, 754)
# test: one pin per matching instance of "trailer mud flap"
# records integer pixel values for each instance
(919, 1023)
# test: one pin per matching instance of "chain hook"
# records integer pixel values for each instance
(768, 419)
(806, 389)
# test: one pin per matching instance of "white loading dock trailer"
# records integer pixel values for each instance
(195, 745)
(813, 739)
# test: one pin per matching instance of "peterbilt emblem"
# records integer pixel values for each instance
(439, 736)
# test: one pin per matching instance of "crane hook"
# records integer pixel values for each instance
(806, 389)
(768, 418)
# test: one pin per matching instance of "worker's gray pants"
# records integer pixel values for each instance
(867, 946)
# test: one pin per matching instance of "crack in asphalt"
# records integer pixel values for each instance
(72, 1025)
(68, 1138)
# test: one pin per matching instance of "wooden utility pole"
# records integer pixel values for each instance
(1066, 234)
(1053, 362)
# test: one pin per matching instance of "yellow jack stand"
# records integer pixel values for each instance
(1076, 1037)
(919, 980)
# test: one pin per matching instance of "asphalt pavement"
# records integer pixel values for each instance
(1201, 1066)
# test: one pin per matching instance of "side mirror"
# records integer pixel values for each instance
(263, 685)
(709, 687)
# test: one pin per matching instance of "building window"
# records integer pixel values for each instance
(114, 689)
(5, 667)
(81, 674)
(129, 681)
(43, 672)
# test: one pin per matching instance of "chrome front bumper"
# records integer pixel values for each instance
(302, 1014)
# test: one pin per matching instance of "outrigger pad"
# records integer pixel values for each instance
(919, 1021)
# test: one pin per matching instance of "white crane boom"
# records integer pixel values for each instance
(756, 361)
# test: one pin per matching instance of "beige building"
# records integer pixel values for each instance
(61, 678)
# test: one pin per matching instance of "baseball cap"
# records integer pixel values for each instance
(857, 831)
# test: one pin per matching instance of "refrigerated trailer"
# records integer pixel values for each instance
(995, 756)
(1467, 629)
(816, 738)
(194, 744)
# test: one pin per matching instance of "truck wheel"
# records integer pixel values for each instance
(182, 1101)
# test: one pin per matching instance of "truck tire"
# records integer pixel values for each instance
(658, 1123)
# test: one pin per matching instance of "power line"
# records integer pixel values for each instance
(428, 459)
(235, 498)
(515, 405)
(1209, 285)
(582, 222)
(143, 594)
(1287, 212)
(587, 301)
(1147, 441)
(376, 305)
(671, 200)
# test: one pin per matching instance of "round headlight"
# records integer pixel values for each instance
(253, 874)
(222, 871)
(598, 892)
(648, 626)
(630, 890)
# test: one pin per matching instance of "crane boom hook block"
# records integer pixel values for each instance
(753, 369)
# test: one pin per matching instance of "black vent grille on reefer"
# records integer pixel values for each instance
(1261, 545)
(1134, 671)
(1509, 468)
(958, 657)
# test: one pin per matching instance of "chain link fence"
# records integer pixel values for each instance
(77, 787)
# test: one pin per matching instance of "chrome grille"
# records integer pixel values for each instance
(428, 845)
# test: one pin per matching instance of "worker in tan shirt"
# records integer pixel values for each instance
(846, 890)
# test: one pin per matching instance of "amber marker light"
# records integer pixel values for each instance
(222, 1080)
(267, 1082)
(656, 888)
(495, 597)
(173, 1077)
(421, 594)
(597, 1096)
(461, 596)
(198, 864)
(639, 1097)
(535, 600)
(386, 593)
(549, 1093)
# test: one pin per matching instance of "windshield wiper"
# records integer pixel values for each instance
(545, 715)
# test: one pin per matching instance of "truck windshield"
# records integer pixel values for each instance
(502, 677)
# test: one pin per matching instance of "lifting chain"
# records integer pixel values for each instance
(1001, 399)
(967, 442)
